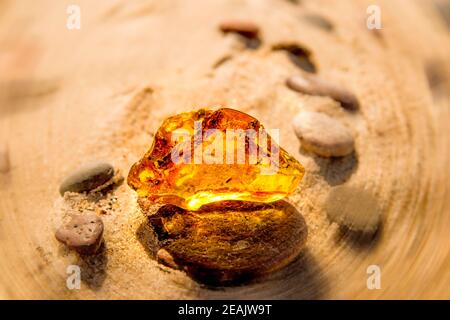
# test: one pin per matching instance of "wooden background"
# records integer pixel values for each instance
(101, 92)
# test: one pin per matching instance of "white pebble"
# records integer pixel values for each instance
(323, 135)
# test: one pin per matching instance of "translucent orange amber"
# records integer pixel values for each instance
(208, 156)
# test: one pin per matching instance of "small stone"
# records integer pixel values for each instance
(323, 135)
(83, 233)
(165, 258)
(299, 55)
(313, 85)
(242, 27)
(4, 160)
(318, 21)
(354, 207)
(87, 178)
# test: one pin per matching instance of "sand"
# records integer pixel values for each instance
(101, 92)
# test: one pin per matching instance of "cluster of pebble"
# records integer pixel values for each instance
(321, 134)
(317, 132)
(83, 232)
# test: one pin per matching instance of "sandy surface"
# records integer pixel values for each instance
(101, 92)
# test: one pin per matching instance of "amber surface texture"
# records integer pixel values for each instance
(207, 156)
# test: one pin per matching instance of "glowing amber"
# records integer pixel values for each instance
(208, 156)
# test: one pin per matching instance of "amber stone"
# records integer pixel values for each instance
(207, 156)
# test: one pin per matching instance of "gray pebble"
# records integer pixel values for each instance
(87, 178)
(323, 135)
(313, 85)
(83, 233)
(319, 21)
(354, 207)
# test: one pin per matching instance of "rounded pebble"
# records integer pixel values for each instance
(354, 207)
(323, 135)
(319, 21)
(302, 85)
(83, 233)
(243, 27)
(313, 85)
(87, 178)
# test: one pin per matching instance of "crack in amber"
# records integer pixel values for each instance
(190, 184)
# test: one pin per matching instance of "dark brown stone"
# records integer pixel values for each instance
(88, 177)
(230, 242)
(313, 85)
(242, 27)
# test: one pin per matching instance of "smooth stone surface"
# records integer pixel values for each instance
(83, 233)
(318, 21)
(88, 177)
(323, 135)
(313, 85)
(243, 27)
(354, 207)
(299, 55)
(229, 242)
